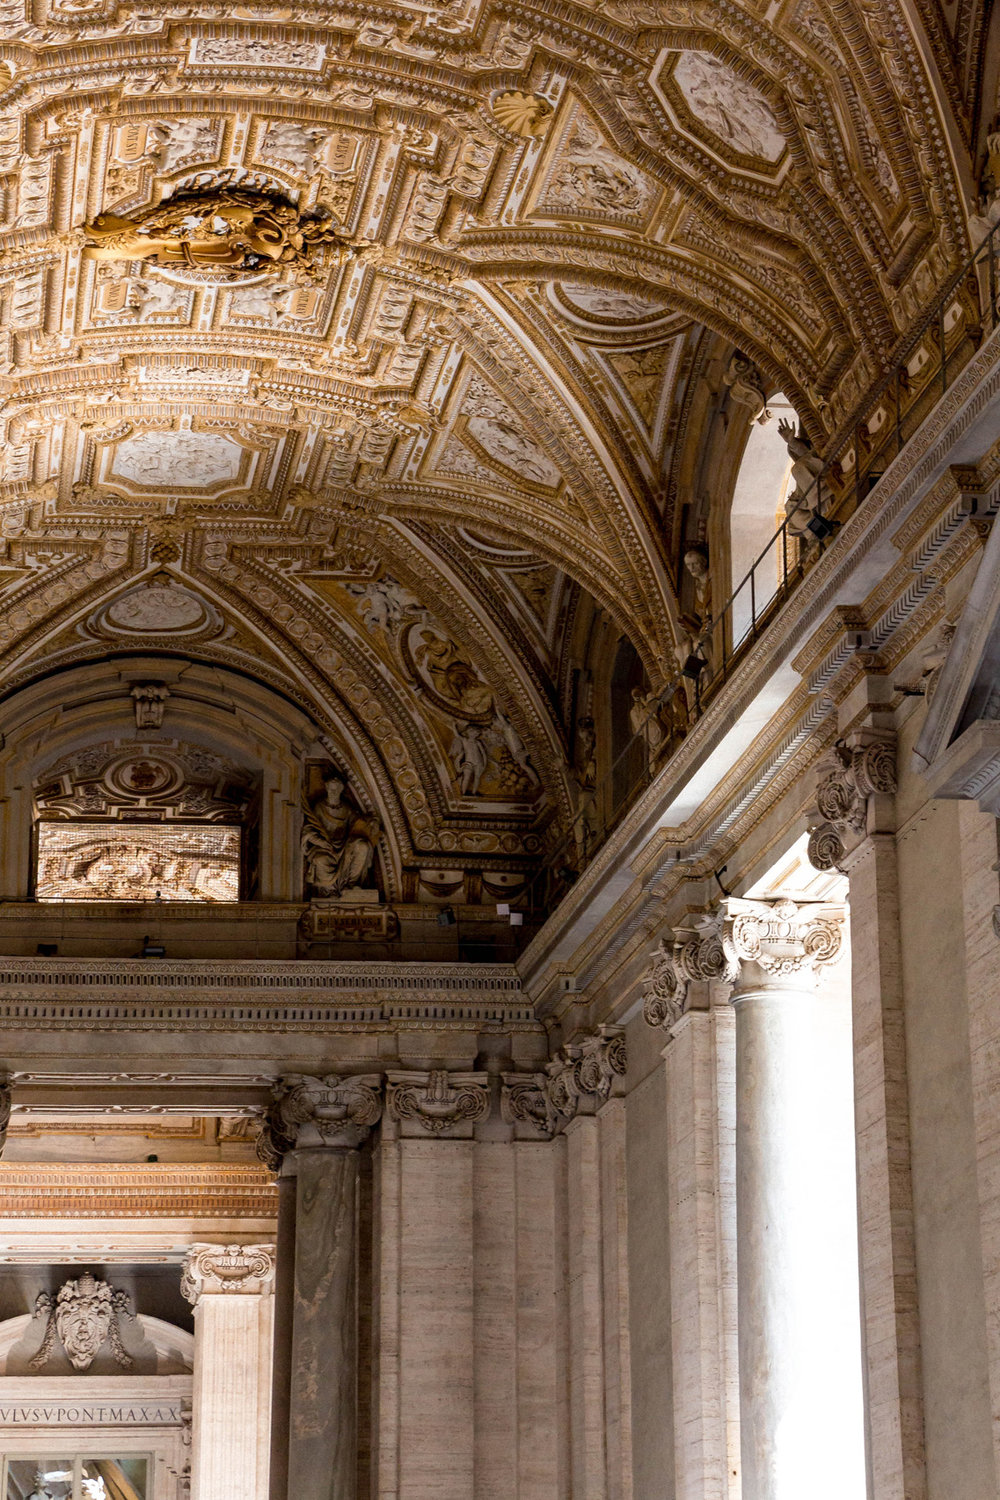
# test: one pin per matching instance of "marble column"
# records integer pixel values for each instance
(315, 1128)
(230, 1288)
(801, 1392)
(855, 834)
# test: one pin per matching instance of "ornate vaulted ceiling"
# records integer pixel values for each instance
(392, 473)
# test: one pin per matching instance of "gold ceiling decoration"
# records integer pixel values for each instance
(401, 340)
(224, 233)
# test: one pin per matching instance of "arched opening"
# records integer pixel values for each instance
(757, 510)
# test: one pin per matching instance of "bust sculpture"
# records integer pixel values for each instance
(338, 842)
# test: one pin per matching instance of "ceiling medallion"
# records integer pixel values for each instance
(231, 235)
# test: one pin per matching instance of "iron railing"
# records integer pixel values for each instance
(921, 372)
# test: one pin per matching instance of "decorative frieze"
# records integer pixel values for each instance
(438, 1101)
(850, 776)
(336, 1110)
(211, 1270)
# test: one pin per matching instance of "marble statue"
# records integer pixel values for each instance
(338, 842)
(586, 751)
(803, 499)
(697, 565)
(644, 720)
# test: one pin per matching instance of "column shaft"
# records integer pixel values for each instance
(284, 1303)
(697, 1334)
(802, 1418)
(322, 1461)
(885, 1193)
(230, 1287)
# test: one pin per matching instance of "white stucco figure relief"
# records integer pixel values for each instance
(383, 602)
(338, 842)
(505, 734)
(470, 756)
(153, 297)
(600, 302)
(288, 141)
(497, 430)
(159, 606)
(590, 175)
(728, 105)
(188, 139)
(258, 52)
(178, 458)
(267, 302)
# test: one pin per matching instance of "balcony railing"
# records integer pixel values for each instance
(923, 369)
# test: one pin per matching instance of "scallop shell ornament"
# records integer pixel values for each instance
(525, 115)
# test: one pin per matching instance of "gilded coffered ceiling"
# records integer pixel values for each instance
(354, 345)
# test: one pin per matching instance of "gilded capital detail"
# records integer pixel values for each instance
(849, 776)
(336, 1110)
(212, 1270)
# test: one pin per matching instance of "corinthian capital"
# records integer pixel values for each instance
(777, 941)
(338, 1110)
(849, 777)
(440, 1101)
(211, 1270)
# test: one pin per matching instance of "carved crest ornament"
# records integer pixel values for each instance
(82, 1315)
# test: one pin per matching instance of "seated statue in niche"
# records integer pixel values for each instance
(338, 842)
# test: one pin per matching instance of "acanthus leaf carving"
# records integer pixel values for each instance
(782, 938)
(525, 1100)
(584, 1072)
